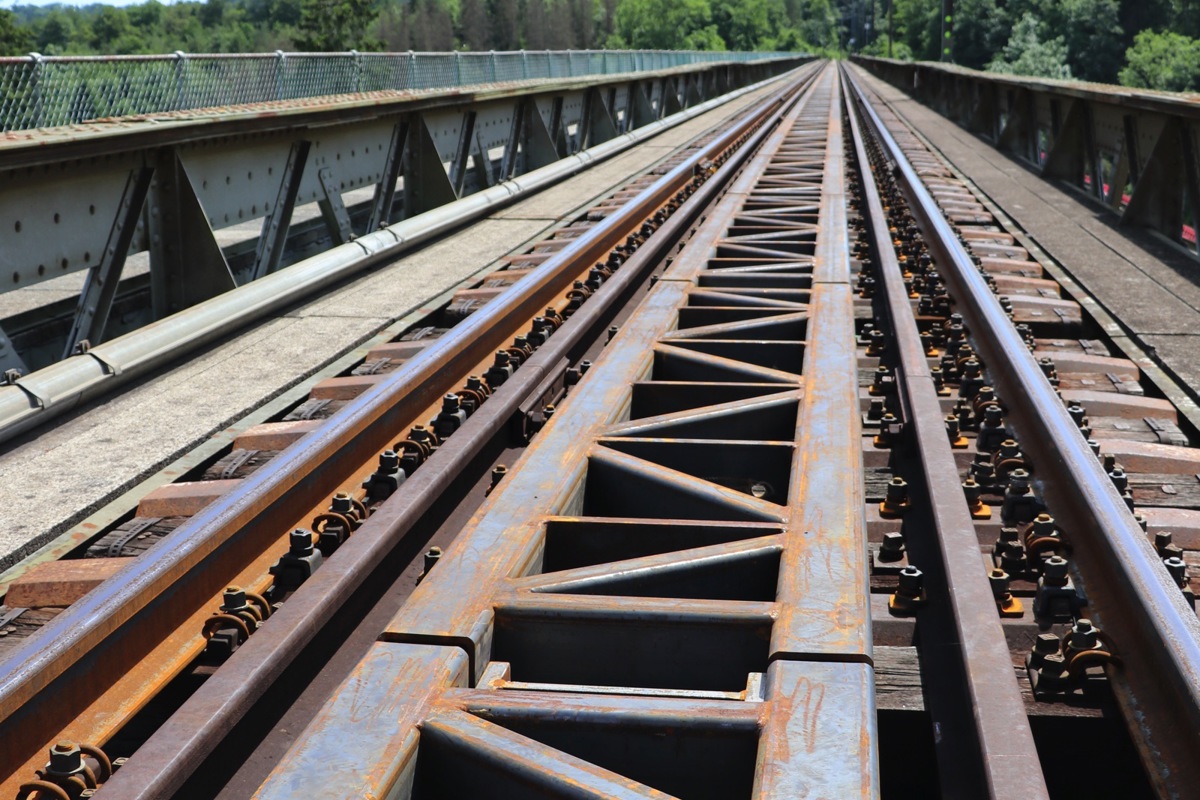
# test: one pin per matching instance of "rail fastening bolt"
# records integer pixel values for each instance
(1083, 636)
(911, 581)
(1177, 567)
(300, 542)
(1054, 569)
(233, 598)
(892, 548)
(65, 758)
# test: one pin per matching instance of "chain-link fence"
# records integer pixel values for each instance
(41, 92)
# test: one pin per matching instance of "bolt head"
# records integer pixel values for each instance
(233, 597)
(1046, 644)
(65, 758)
(893, 542)
(300, 542)
(1054, 664)
(1055, 567)
(1083, 636)
(998, 578)
(912, 579)
(1176, 566)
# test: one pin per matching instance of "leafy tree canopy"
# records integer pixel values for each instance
(1027, 54)
(1166, 61)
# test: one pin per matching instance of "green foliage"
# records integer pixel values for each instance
(1027, 54)
(1092, 32)
(747, 24)
(918, 26)
(329, 25)
(1143, 42)
(665, 24)
(15, 39)
(980, 30)
(1166, 61)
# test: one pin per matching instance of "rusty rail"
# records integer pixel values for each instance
(167, 759)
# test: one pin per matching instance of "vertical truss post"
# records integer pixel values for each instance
(516, 141)
(333, 208)
(187, 265)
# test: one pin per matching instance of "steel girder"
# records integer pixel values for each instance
(71, 199)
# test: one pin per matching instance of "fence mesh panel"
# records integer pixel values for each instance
(42, 92)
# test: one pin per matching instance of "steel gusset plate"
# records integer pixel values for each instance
(1155, 633)
(667, 595)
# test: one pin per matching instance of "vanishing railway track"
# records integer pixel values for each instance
(817, 484)
(108, 664)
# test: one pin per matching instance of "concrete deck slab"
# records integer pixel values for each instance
(51, 480)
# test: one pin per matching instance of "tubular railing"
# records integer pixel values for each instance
(39, 91)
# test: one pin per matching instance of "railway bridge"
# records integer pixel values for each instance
(595, 425)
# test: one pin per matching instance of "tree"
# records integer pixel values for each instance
(503, 14)
(747, 24)
(1166, 61)
(559, 34)
(15, 39)
(918, 25)
(536, 24)
(583, 22)
(1093, 34)
(335, 25)
(980, 30)
(817, 22)
(664, 24)
(1027, 54)
(473, 26)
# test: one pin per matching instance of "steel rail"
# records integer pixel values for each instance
(1156, 634)
(164, 762)
(93, 641)
(1008, 764)
(49, 392)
